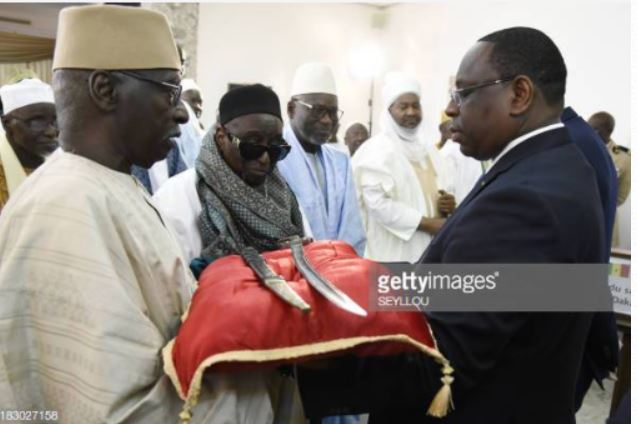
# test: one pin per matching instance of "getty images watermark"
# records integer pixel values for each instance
(491, 287)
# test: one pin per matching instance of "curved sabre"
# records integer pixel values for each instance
(316, 280)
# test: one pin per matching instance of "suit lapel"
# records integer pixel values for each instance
(539, 143)
(530, 147)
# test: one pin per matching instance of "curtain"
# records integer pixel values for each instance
(20, 48)
(25, 56)
(11, 72)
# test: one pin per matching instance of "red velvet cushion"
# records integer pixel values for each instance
(234, 322)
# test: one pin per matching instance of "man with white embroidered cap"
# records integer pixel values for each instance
(321, 178)
(30, 132)
(92, 284)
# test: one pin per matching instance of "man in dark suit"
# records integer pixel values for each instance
(538, 203)
(602, 346)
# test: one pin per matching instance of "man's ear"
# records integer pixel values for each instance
(5, 123)
(291, 109)
(103, 90)
(8, 123)
(523, 95)
(219, 134)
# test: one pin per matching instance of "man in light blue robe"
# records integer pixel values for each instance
(192, 132)
(321, 178)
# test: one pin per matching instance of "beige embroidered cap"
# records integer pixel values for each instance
(114, 37)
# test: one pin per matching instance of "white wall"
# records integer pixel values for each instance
(250, 43)
(594, 38)
(264, 42)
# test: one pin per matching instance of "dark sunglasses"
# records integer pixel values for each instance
(277, 148)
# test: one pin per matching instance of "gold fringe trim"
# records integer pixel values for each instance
(169, 366)
(439, 406)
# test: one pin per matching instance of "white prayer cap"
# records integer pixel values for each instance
(26, 92)
(397, 84)
(189, 84)
(313, 77)
(114, 37)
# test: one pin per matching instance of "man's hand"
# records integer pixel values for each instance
(431, 225)
(446, 203)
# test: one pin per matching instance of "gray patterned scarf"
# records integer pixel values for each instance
(236, 215)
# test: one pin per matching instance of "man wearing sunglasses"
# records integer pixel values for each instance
(320, 177)
(31, 132)
(235, 196)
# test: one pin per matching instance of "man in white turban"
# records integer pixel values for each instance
(401, 179)
(30, 132)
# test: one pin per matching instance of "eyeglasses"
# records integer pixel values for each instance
(175, 90)
(317, 112)
(276, 147)
(38, 124)
(457, 96)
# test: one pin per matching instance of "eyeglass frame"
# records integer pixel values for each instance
(174, 88)
(236, 142)
(339, 112)
(458, 95)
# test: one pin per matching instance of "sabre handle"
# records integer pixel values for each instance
(257, 263)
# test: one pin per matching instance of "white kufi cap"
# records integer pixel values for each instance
(313, 77)
(189, 84)
(26, 92)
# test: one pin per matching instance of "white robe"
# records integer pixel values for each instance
(179, 203)
(463, 170)
(392, 201)
(92, 287)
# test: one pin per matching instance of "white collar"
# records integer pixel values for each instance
(523, 138)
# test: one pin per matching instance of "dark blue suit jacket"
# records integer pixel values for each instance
(593, 148)
(538, 204)
(602, 346)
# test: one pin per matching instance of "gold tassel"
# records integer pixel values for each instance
(185, 415)
(443, 402)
